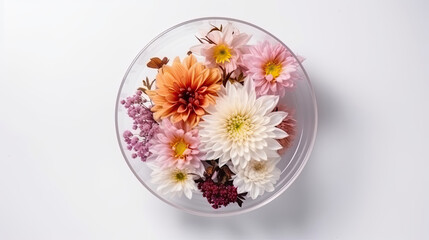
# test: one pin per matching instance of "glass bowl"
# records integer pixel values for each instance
(176, 41)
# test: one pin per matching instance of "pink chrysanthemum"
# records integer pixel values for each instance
(272, 67)
(176, 145)
(288, 125)
(223, 47)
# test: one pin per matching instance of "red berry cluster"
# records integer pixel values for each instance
(218, 195)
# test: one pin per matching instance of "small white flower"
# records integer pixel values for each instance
(257, 177)
(173, 181)
(241, 127)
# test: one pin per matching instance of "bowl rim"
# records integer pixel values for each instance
(243, 210)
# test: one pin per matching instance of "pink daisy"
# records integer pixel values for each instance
(272, 67)
(223, 47)
(176, 145)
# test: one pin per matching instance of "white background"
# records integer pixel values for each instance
(62, 175)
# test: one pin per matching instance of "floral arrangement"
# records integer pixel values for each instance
(215, 126)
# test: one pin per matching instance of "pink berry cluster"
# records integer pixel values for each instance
(218, 195)
(144, 126)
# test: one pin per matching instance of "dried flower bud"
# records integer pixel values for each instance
(157, 63)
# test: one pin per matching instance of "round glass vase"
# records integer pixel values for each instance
(176, 41)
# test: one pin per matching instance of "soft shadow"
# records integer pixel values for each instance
(291, 212)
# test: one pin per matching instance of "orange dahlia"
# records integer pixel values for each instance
(184, 90)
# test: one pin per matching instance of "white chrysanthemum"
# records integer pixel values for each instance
(173, 181)
(241, 127)
(257, 177)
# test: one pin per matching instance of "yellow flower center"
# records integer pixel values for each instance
(258, 166)
(273, 68)
(179, 176)
(222, 53)
(179, 148)
(238, 128)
